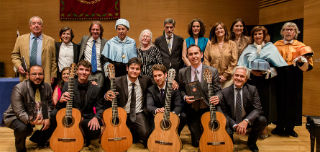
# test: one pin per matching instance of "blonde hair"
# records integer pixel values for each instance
(290, 24)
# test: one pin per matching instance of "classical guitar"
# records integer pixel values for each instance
(67, 137)
(116, 137)
(164, 137)
(214, 137)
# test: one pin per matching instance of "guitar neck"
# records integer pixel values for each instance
(114, 101)
(166, 115)
(69, 102)
(212, 107)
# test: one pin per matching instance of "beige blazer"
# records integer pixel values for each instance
(48, 58)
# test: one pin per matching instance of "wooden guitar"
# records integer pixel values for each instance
(164, 137)
(67, 137)
(214, 137)
(116, 137)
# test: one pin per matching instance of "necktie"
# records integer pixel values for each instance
(33, 57)
(196, 104)
(238, 106)
(133, 104)
(169, 43)
(94, 57)
(38, 108)
(196, 75)
(162, 93)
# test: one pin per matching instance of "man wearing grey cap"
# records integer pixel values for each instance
(120, 49)
(91, 49)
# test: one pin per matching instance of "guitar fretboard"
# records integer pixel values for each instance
(69, 103)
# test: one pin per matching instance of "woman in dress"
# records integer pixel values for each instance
(196, 30)
(238, 32)
(221, 53)
(148, 53)
(65, 72)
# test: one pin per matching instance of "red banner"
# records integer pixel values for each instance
(89, 9)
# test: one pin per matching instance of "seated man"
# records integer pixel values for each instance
(30, 105)
(241, 105)
(156, 95)
(131, 91)
(196, 107)
(86, 96)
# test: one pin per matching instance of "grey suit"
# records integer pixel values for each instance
(251, 105)
(99, 75)
(193, 116)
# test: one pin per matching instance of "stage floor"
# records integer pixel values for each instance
(272, 144)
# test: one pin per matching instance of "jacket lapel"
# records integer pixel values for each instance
(188, 73)
(125, 88)
(164, 44)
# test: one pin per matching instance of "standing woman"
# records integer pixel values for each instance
(148, 53)
(67, 52)
(120, 49)
(196, 30)
(238, 32)
(299, 59)
(221, 53)
(263, 52)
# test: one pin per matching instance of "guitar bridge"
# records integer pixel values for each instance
(163, 142)
(215, 143)
(117, 138)
(67, 139)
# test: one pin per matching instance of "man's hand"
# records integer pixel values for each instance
(21, 70)
(159, 110)
(65, 97)
(189, 99)
(37, 121)
(241, 128)
(94, 124)
(214, 100)
(46, 124)
(110, 95)
(175, 85)
(222, 78)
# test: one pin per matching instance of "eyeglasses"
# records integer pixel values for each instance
(36, 74)
(289, 29)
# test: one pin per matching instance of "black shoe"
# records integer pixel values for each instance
(253, 147)
(291, 133)
(278, 131)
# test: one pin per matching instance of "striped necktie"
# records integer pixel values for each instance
(94, 57)
(33, 57)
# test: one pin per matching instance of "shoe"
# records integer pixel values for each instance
(253, 147)
(291, 133)
(278, 131)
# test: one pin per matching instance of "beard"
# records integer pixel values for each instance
(35, 86)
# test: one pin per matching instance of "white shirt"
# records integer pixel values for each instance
(199, 73)
(65, 55)
(138, 91)
(88, 51)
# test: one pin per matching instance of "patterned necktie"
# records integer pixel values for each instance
(162, 93)
(133, 104)
(196, 75)
(94, 57)
(38, 108)
(238, 106)
(169, 43)
(33, 57)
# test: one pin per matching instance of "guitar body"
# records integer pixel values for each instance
(67, 139)
(116, 138)
(165, 140)
(215, 140)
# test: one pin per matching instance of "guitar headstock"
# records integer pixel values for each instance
(171, 74)
(73, 67)
(111, 72)
(207, 74)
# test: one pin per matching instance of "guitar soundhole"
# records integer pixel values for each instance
(67, 121)
(165, 124)
(115, 121)
(214, 125)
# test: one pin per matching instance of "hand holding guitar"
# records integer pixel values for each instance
(65, 97)
(189, 99)
(110, 95)
(159, 110)
(94, 124)
(214, 100)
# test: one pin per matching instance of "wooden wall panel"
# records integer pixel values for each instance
(141, 14)
(281, 12)
(311, 86)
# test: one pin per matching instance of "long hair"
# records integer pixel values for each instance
(213, 36)
(202, 27)
(266, 36)
(245, 31)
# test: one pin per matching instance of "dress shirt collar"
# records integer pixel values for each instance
(199, 68)
(136, 82)
(167, 36)
(67, 44)
(32, 36)
(91, 39)
(288, 42)
(164, 87)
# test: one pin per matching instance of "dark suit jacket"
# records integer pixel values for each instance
(173, 60)
(83, 44)
(122, 88)
(155, 101)
(251, 103)
(185, 78)
(94, 98)
(76, 49)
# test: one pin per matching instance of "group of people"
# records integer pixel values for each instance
(255, 82)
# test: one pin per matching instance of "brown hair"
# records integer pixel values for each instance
(213, 36)
(245, 32)
(100, 25)
(85, 63)
(202, 27)
(266, 36)
(159, 67)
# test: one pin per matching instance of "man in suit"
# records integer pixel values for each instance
(30, 106)
(35, 48)
(91, 48)
(86, 96)
(170, 46)
(131, 95)
(156, 95)
(196, 107)
(241, 105)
